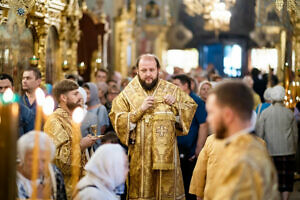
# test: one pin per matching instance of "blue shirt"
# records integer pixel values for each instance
(25, 101)
(26, 120)
(187, 144)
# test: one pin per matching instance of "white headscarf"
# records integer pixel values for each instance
(83, 93)
(203, 83)
(267, 94)
(277, 93)
(106, 167)
(84, 96)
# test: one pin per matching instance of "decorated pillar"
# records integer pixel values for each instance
(125, 40)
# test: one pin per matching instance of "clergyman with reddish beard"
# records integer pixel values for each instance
(144, 117)
(59, 127)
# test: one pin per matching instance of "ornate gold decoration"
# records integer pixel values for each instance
(161, 131)
(47, 17)
(21, 7)
(124, 38)
(97, 61)
(15, 46)
(290, 14)
(279, 4)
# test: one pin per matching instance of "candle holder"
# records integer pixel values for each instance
(65, 66)
(34, 61)
(81, 68)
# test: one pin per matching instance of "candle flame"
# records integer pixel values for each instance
(40, 96)
(8, 95)
(78, 115)
(48, 105)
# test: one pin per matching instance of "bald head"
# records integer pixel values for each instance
(147, 57)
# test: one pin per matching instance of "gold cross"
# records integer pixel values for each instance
(162, 130)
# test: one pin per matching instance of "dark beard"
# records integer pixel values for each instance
(221, 131)
(71, 106)
(148, 86)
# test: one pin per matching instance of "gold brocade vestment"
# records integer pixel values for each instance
(152, 147)
(247, 171)
(58, 126)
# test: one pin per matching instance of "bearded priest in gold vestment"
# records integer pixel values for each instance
(59, 127)
(147, 116)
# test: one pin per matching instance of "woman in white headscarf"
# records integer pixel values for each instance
(106, 170)
(204, 88)
(266, 104)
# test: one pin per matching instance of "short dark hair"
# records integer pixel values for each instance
(111, 80)
(110, 137)
(4, 76)
(63, 87)
(35, 70)
(236, 95)
(183, 79)
(147, 55)
(86, 86)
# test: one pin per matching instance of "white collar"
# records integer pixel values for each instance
(237, 134)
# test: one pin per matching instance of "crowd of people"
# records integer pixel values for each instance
(184, 135)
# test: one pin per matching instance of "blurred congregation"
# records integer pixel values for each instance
(107, 165)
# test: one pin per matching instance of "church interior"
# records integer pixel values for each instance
(62, 37)
(79, 37)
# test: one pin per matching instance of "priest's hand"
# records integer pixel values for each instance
(87, 141)
(169, 99)
(148, 103)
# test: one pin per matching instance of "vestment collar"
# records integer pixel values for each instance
(237, 135)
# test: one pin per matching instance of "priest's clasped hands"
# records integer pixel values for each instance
(150, 100)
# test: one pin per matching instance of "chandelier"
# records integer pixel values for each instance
(215, 13)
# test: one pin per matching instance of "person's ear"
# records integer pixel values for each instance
(228, 115)
(63, 98)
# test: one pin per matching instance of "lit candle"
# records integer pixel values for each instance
(77, 118)
(9, 119)
(298, 88)
(40, 99)
(48, 108)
